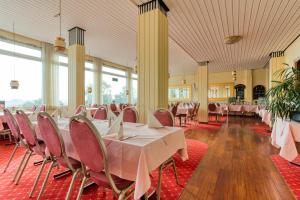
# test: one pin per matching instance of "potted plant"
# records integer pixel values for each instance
(284, 97)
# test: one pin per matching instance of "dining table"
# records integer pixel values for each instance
(285, 134)
(143, 150)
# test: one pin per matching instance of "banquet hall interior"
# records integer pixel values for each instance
(150, 99)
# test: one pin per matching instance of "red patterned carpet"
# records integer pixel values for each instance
(261, 129)
(289, 172)
(56, 189)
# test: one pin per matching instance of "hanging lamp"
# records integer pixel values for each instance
(59, 43)
(14, 84)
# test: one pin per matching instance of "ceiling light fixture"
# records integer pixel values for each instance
(232, 39)
(59, 44)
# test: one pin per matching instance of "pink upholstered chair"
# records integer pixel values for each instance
(34, 145)
(101, 113)
(93, 155)
(43, 108)
(14, 130)
(212, 110)
(33, 108)
(113, 107)
(130, 114)
(56, 148)
(80, 110)
(165, 117)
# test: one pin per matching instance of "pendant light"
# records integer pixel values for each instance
(59, 44)
(14, 84)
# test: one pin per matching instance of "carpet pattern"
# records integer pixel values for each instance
(261, 129)
(289, 172)
(57, 189)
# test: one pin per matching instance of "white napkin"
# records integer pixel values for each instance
(111, 115)
(55, 116)
(153, 122)
(115, 127)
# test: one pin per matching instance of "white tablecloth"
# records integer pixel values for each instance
(134, 158)
(284, 135)
(266, 116)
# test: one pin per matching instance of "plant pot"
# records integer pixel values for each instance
(295, 116)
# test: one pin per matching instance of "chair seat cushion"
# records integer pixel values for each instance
(75, 163)
(100, 179)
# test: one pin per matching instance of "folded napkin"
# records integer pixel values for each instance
(153, 122)
(115, 127)
(55, 116)
(111, 115)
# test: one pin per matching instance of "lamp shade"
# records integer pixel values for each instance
(59, 44)
(14, 84)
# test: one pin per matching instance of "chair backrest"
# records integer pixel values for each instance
(113, 107)
(91, 150)
(165, 117)
(26, 128)
(174, 109)
(218, 104)
(33, 108)
(212, 107)
(43, 108)
(101, 113)
(130, 114)
(12, 124)
(80, 109)
(50, 134)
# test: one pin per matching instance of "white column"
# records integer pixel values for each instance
(202, 84)
(153, 57)
(76, 68)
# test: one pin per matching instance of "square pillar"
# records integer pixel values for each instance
(202, 84)
(76, 69)
(276, 63)
(152, 57)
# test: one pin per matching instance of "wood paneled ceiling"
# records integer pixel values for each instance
(196, 28)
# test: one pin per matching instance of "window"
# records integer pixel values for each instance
(25, 65)
(134, 88)
(114, 85)
(62, 85)
(258, 91)
(180, 93)
(89, 83)
(240, 91)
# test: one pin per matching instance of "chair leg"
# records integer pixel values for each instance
(22, 170)
(159, 181)
(81, 188)
(20, 165)
(71, 184)
(45, 181)
(175, 171)
(11, 157)
(38, 177)
(121, 196)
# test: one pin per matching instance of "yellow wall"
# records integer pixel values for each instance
(249, 78)
(292, 54)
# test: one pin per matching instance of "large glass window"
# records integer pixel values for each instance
(114, 85)
(24, 64)
(89, 83)
(134, 89)
(62, 85)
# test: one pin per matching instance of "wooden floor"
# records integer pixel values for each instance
(236, 166)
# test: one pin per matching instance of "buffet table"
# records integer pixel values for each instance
(284, 135)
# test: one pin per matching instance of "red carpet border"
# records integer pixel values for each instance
(289, 172)
(56, 189)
